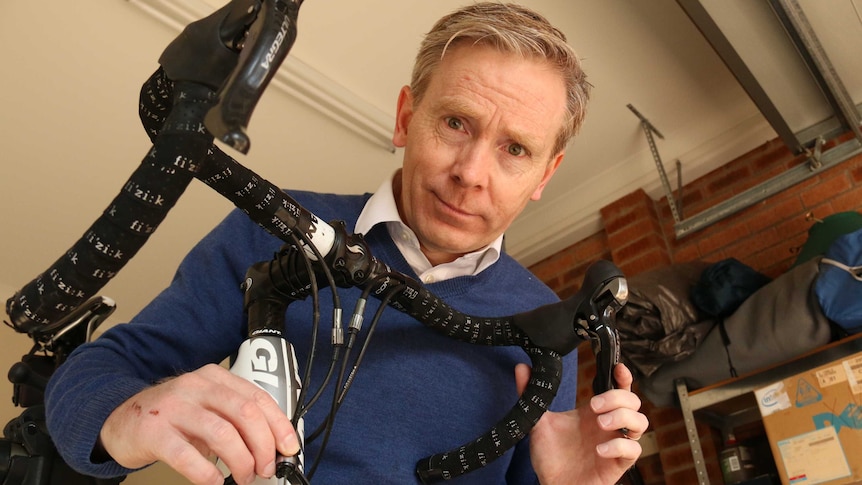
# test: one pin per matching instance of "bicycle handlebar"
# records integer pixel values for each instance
(205, 57)
(174, 112)
(126, 224)
(544, 334)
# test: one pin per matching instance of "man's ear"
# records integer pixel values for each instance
(549, 171)
(403, 115)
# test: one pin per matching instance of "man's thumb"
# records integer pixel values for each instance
(522, 377)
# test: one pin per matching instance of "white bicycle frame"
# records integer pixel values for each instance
(269, 362)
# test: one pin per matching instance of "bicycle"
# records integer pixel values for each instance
(205, 74)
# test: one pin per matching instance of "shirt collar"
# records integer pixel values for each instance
(381, 209)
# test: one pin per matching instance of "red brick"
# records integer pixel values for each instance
(665, 416)
(593, 247)
(795, 191)
(848, 201)
(565, 260)
(772, 212)
(634, 215)
(825, 190)
(696, 207)
(690, 200)
(561, 259)
(758, 177)
(686, 253)
(722, 239)
(727, 181)
(590, 249)
(668, 433)
(776, 256)
(545, 273)
(575, 275)
(774, 155)
(855, 161)
(667, 229)
(753, 244)
(636, 248)
(653, 259)
(551, 268)
(633, 232)
(794, 226)
(623, 205)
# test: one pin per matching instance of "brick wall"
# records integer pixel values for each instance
(638, 236)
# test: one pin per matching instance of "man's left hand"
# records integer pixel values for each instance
(589, 445)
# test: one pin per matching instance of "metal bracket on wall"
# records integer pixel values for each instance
(810, 140)
(818, 161)
(674, 203)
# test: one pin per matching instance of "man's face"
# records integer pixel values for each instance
(477, 147)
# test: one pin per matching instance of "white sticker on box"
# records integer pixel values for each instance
(772, 398)
(831, 375)
(814, 457)
(853, 368)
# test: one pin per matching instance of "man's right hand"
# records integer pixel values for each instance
(187, 420)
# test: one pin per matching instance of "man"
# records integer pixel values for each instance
(496, 94)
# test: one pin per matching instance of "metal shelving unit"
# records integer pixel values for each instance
(731, 403)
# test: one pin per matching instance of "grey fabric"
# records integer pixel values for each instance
(659, 323)
(778, 322)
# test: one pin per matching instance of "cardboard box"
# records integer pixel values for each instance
(814, 424)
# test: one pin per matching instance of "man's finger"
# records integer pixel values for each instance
(522, 377)
(623, 377)
(190, 463)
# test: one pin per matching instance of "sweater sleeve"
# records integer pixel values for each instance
(197, 320)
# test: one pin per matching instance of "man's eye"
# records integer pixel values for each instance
(454, 123)
(516, 150)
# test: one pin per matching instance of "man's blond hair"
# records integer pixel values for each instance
(513, 29)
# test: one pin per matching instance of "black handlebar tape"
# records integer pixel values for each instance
(261, 200)
(269, 40)
(128, 221)
(155, 102)
(426, 307)
(433, 312)
(265, 203)
(535, 400)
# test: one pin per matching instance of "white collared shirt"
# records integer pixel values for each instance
(381, 209)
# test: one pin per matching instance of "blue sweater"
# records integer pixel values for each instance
(416, 394)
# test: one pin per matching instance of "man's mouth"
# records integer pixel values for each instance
(452, 209)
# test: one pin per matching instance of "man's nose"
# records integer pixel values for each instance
(473, 165)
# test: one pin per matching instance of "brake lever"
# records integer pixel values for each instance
(207, 51)
(562, 326)
(605, 342)
(236, 51)
(268, 40)
(596, 322)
